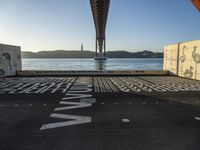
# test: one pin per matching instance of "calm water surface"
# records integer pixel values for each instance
(91, 64)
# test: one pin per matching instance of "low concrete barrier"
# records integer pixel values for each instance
(10, 60)
(93, 73)
(183, 59)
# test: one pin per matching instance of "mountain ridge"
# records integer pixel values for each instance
(60, 54)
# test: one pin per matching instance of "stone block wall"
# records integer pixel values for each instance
(183, 59)
(10, 60)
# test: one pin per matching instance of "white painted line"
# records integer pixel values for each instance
(73, 105)
(7, 89)
(85, 100)
(72, 120)
(125, 120)
(197, 118)
(71, 96)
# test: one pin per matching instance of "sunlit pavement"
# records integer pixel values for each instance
(101, 113)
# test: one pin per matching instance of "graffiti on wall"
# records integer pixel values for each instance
(182, 58)
(170, 61)
(196, 58)
(188, 61)
(10, 60)
(2, 72)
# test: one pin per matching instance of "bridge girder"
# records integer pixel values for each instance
(100, 9)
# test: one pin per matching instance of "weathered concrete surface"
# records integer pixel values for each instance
(183, 59)
(93, 73)
(10, 60)
(101, 113)
(170, 58)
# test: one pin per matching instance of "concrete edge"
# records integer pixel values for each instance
(94, 73)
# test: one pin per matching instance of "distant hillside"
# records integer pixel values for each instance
(141, 54)
(90, 54)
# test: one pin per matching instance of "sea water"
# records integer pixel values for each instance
(91, 64)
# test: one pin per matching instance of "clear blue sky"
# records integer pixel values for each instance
(133, 25)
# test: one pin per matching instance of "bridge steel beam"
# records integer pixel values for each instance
(100, 9)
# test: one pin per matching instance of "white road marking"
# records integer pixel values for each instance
(35, 85)
(126, 84)
(116, 103)
(7, 89)
(76, 96)
(197, 118)
(75, 120)
(102, 103)
(78, 93)
(125, 120)
(44, 104)
(76, 105)
(138, 85)
(82, 90)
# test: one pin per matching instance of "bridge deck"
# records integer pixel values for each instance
(101, 113)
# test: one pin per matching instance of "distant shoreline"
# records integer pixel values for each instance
(63, 54)
(91, 58)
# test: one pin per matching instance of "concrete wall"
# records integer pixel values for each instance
(10, 60)
(170, 58)
(183, 59)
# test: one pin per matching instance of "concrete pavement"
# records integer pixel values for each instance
(102, 113)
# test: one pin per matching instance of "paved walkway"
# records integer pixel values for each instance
(101, 113)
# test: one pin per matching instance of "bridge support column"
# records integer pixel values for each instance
(100, 10)
(100, 49)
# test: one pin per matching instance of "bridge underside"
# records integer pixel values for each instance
(100, 10)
